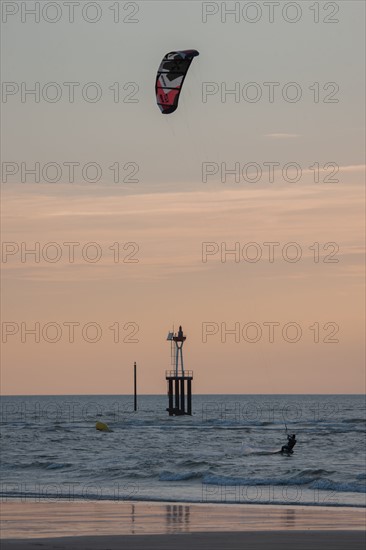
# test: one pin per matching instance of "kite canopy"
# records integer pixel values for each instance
(170, 78)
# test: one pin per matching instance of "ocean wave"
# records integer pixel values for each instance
(57, 466)
(231, 481)
(321, 484)
(43, 465)
(197, 462)
(125, 473)
(182, 476)
(247, 450)
(316, 473)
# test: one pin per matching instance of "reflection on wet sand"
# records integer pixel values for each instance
(177, 518)
(289, 518)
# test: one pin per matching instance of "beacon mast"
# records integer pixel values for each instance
(179, 380)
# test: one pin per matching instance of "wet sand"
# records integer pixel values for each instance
(144, 525)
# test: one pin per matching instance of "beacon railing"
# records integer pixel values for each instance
(172, 374)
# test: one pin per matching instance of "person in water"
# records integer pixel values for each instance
(291, 442)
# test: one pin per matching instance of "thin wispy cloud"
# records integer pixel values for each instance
(170, 227)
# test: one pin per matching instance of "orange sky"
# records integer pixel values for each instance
(170, 285)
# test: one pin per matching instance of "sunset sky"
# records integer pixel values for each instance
(160, 278)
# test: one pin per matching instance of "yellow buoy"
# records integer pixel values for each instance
(102, 427)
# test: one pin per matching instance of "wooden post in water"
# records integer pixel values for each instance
(170, 394)
(182, 399)
(189, 396)
(135, 386)
(176, 384)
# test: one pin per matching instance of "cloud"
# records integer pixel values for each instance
(171, 227)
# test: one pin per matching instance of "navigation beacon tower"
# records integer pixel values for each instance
(178, 379)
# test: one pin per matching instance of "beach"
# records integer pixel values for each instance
(146, 525)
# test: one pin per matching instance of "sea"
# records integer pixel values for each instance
(226, 452)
